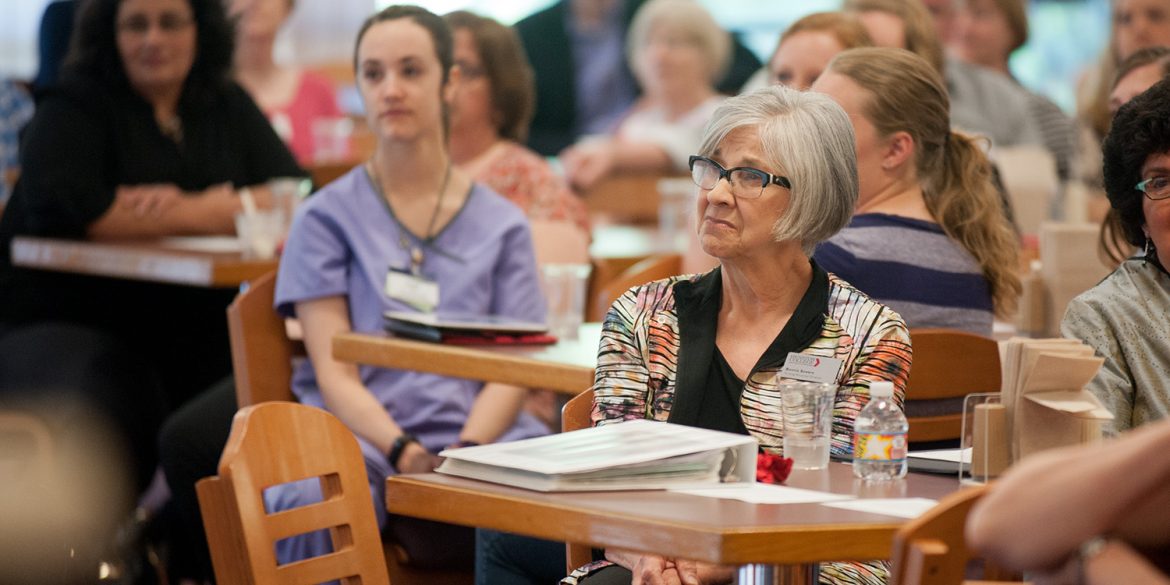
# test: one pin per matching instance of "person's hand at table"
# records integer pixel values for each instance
(587, 162)
(657, 570)
(416, 459)
(150, 200)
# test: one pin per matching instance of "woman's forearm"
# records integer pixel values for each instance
(493, 413)
(341, 386)
(1064, 497)
(162, 210)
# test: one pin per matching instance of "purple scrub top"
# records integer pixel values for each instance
(342, 243)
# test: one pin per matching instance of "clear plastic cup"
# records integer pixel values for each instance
(676, 201)
(260, 232)
(564, 288)
(807, 409)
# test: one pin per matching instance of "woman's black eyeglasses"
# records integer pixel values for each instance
(746, 182)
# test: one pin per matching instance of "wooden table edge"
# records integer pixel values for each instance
(208, 269)
(461, 362)
(734, 546)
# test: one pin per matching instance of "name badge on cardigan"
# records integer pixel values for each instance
(811, 368)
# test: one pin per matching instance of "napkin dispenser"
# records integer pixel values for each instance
(1052, 408)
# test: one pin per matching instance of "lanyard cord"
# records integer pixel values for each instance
(416, 253)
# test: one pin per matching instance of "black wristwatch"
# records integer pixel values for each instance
(397, 447)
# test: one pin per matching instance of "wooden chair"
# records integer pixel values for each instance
(575, 416)
(281, 442)
(262, 354)
(947, 366)
(932, 549)
(648, 270)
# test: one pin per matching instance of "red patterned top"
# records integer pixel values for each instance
(523, 177)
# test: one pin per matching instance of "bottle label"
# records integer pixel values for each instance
(879, 446)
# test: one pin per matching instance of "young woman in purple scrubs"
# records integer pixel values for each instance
(402, 222)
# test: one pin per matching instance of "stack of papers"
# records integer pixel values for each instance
(939, 460)
(633, 455)
(765, 493)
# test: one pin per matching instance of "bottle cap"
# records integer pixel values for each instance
(881, 389)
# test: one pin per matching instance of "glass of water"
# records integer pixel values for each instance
(807, 409)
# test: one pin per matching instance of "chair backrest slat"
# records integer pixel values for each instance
(281, 442)
(947, 366)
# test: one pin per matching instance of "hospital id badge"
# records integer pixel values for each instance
(417, 291)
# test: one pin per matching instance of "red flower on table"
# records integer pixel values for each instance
(771, 468)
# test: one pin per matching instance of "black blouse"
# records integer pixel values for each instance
(702, 387)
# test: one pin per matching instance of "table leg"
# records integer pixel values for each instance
(778, 574)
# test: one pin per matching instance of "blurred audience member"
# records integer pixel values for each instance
(293, 99)
(1123, 318)
(144, 136)
(981, 101)
(1137, 73)
(583, 83)
(1136, 25)
(1083, 515)
(929, 237)
(945, 15)
(489, 122)
(678, 52)
(807, 46)
(16, 109)
(53, 41)
(987, 33)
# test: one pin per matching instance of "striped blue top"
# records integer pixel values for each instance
(911, 266)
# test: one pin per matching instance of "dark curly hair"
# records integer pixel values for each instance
(1141, 128)
(93, 52)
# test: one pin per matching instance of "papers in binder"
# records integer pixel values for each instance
(633, 455)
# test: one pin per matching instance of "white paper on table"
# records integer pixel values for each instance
(203, 243)
(952, 455)
(765, 493)
(900, 507)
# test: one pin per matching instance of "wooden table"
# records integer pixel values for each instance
(566, 366)
(706, 529)
(210, 262)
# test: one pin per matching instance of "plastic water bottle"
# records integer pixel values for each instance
(879, 436)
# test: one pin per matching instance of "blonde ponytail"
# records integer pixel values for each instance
(908, 95)
(962, 197)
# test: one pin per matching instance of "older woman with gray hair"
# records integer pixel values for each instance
(777, 175)
(677, 52)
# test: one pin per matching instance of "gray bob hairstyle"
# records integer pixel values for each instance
(808, 138)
